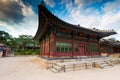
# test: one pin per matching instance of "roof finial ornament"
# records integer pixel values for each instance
(79, 25)
(42, 3)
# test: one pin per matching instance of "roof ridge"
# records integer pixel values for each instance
(101, 30)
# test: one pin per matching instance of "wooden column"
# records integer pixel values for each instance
(99, 48)
(73, 48)
(49, 46)
(44, 46)
(54, 44)
(40, 50)
(89, 47)
(73, 43)
(88, 39)
(98, 45)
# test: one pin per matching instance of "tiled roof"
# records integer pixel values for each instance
(52, 19)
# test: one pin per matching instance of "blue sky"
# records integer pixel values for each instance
(21, 16)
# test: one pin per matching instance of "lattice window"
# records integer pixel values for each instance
(94, 47)
(63, 46)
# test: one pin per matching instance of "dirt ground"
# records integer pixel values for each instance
(24, 68)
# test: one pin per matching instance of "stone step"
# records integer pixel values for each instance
(107, 67)
(110, 63)
(57, 67)
(104, 64)
(100, 61)
(53, 70)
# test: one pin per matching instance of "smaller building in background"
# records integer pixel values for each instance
(6, 50)
(2, 50)
(110, 47)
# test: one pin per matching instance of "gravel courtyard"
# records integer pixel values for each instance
(24, 68)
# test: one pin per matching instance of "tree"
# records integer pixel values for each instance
(6, 38)
(20, 43)
(112, 39)
(25, 40)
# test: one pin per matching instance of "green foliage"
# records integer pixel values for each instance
(28, 52)
(19, 44)
(6, 38)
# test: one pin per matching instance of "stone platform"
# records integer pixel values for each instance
(72, 64)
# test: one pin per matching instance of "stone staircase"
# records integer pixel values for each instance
(56, 68)
(71, 66)
(103, 64)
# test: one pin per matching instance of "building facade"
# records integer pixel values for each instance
(110, 47)
(61, 39)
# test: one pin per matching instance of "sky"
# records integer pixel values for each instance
(19, 17)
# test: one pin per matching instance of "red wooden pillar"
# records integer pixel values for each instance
(49, 46)
(73, 49)
(44, 48)
(85, 53)
(40, 49)
(54, 44)
(89, 47)
(88, 42)
(98, 48)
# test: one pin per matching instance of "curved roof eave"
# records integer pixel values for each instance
(55, 20)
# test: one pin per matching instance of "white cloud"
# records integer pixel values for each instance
(64, 1)
(80, 2)
(51, 3)
(6, 26)
(84, 2)
(108, 20)
(91, 17)
(28, 26)
(79, 17)
(111, 6)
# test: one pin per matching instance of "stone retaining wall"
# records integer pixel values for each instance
(90, 63)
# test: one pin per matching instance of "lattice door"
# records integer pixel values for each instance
(82, 49)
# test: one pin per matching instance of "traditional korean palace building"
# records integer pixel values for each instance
(61, 39)
(110, 47)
